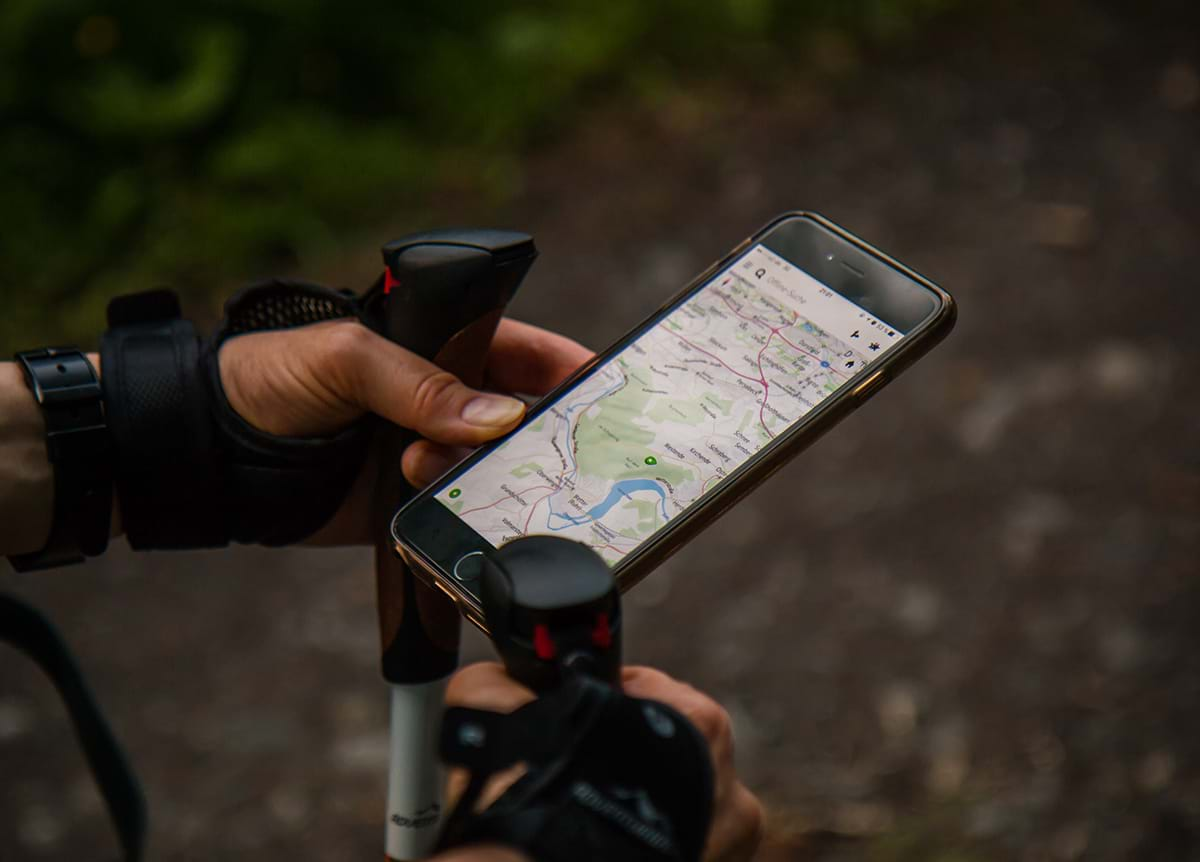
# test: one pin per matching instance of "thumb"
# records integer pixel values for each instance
(412, 392)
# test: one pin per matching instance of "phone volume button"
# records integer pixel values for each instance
(447, 591)
(868, 387)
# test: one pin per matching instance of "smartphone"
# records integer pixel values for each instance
(652, 440)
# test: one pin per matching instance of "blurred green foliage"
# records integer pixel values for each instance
(201, 141)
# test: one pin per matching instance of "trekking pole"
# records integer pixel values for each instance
(553, 609)
(554, 614)
(443, 294)
(605, 776)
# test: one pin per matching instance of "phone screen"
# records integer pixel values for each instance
(666, 420)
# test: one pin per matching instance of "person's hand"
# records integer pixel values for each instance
(316, 380)
(737, 814)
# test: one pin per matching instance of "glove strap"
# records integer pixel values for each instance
(167, 470)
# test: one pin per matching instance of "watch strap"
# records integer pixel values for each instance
(68, 391)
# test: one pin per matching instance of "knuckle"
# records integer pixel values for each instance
(712, 720)
(751, 815)
(432, 392)
(343, 340)
(469, 679)
(342, 345)
(647, 679)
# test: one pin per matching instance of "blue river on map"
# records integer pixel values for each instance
(620, 491)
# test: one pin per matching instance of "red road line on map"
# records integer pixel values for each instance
(785, 340)
(705, 352)
(782, 337)
(766, 386)
(611, 547)
(830, 369)
(537, 503)
(758, 359)
(725, 299)
(502, 499)
(761, 381)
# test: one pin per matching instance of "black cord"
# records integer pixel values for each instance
(26, 629)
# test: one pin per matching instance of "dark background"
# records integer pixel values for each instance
(960, 628)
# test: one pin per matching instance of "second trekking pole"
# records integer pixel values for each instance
(443, 294)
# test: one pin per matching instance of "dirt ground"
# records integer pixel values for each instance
(963, 626)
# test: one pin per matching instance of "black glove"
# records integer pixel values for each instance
(609, 777)
(189, 472)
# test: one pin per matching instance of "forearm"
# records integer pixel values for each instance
(26, 475)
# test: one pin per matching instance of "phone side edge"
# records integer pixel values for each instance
(430, 575)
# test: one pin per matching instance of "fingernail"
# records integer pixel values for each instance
(494, 411)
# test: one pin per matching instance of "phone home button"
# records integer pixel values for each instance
(469, 567)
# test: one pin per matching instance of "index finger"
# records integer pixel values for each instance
(531, 360)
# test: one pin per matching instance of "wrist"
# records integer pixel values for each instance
(114, 524)
(28, 487)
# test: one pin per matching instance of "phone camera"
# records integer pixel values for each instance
(829, 257)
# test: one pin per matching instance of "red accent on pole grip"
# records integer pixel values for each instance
(601, 635)
(389, 281)
(543, 644)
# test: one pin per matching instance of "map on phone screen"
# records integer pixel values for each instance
(666, 420)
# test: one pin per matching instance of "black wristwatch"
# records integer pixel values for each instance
(77, 440)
